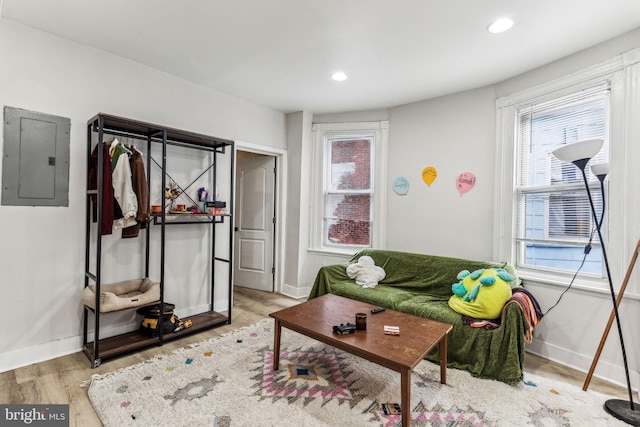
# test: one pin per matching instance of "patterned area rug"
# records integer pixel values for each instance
(229, 381)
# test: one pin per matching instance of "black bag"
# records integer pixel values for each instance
(149, 327)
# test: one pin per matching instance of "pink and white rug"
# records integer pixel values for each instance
(229, 381)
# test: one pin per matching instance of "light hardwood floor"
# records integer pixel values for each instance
(57, 381)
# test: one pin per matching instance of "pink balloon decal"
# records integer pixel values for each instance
(465, 182)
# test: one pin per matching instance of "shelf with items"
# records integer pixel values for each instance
(159, 137)
(175, 192)
(189, 218)
(132, 341)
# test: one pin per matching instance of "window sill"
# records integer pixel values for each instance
(581, 284)
(346, 253)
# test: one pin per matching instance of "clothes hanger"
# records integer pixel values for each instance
(126, 149)
(133, 147)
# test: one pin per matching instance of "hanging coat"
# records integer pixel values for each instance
(122, 188)
(107, 187)
(139, 182)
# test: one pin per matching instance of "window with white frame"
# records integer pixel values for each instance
(348, 190)
(554, 222)
(542, 220)
(348, 209)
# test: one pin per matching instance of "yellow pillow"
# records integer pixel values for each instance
(481, 294)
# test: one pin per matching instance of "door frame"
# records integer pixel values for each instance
(280, 203)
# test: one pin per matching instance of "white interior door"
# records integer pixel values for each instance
(254, 221)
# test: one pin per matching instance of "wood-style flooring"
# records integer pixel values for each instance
(57, 381)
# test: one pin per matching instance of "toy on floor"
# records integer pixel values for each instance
(481, 294)
(365, 272)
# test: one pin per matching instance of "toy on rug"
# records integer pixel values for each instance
(481, 294)
(365, 272)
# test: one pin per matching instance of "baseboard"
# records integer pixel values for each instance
(294, 291)
(63, 347)
(581, 362)
(58, 348)
(39, 353)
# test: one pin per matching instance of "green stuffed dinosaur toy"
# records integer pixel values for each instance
(481, 294)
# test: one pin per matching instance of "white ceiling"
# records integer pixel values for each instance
(281, 53)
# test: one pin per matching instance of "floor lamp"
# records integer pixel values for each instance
(579, 154)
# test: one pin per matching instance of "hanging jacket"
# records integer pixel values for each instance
(139, 183)
(122, 188)
(107, 187)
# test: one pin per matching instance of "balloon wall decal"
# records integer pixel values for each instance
(429, 174)
(465, 182)
(401, 186)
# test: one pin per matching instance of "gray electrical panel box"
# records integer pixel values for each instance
(35, 159)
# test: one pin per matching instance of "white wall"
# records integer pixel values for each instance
(42, 251)
(455, 134)
(296, 233)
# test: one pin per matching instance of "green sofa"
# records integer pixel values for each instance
(421, 285)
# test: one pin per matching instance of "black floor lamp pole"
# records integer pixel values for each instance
(620, 409)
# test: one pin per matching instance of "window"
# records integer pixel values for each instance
(554, 219)
(348, 202)
(348, 191)
(541, 219)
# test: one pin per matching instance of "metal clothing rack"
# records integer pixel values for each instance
(104, 124)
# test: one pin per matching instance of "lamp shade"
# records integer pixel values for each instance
(578, 151)
(601, 170)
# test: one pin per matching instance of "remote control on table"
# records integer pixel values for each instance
(377, 310)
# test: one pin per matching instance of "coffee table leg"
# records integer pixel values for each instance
(276, 345)
(405, 393)
(443, 360)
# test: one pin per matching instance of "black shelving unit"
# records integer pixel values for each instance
(99, 127)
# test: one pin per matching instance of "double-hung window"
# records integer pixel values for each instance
(542, 219)
(348, 201)
(554, 221)
(348, 190)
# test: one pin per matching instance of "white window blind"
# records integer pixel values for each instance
(553, 216)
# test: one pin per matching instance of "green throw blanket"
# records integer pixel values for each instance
(421, 285)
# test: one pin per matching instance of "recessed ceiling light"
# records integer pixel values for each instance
(339, 76)
(500, 25)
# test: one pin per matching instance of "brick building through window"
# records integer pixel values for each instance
(348, 193)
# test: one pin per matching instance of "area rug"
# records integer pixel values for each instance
(229, 381)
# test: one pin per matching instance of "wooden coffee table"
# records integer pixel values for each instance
(401, 353)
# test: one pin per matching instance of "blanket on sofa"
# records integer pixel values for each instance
(420, 284)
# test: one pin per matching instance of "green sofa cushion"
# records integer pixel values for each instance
(421, 285)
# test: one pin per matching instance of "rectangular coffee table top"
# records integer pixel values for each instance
(316, 318)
